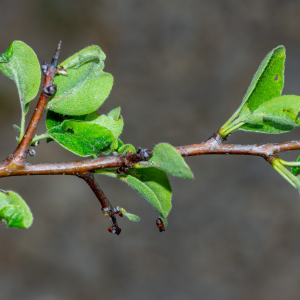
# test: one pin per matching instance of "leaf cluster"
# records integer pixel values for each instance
(73, 122)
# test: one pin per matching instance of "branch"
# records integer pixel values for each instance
(211, 146)
(107, 209)
(19, 156)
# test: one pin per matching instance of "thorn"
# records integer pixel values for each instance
(45, 67)
(114, 229)
(50, 90)
(55, 56)
(160, 225)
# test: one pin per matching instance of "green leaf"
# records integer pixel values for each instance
(151, 183)
(279, 115)
(296, 170)
(131, 217)
(125, 148)
(17, 128)
(85, 87)
(115, 113)
(114, 125)
(82, 138)
(20, 64)
(14, 211)
(266, 84)
(268, 80)
(166, 158)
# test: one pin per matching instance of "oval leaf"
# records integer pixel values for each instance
(85, 87)
(166, 158)
(14, 211)
(152, 184)
(268, 80)
(279, 115)
(20, 64)
(131, 217)
(82, 138)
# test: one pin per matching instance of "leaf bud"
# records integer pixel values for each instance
(114, 229)
(160, 224)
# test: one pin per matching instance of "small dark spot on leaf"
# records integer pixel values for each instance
(69, 129)
(286, 110)
(276, 78)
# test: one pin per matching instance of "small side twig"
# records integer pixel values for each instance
(107, 209)
(18, 157)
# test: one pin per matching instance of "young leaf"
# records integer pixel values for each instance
(14, 211)
(268, 80)
(85, 87)
(114, 125)
(266, 84)
(125, 148)
(166, 158)
(131, 217)
(20, 64)
(296, 170)
(82, 138)
(115, 113)
(150, 183)
(279, 115)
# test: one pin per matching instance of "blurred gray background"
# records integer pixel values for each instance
(181, 68)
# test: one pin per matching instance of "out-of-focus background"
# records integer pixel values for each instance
(181, 68)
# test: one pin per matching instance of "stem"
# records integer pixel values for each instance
(285, 173)
(290, 163)
(18, 157)
(40, 137)
(107, 209)
(22, 128)
(232, 128)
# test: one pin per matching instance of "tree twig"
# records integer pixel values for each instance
(211, 146)
(19, 156)
(107, 209)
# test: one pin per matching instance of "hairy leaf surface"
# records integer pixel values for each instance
(20, 64)
(150, 183)
(14, 211)
(85, 87)
(166, 158)
(279, 115)
(268, 80)
(82, 138)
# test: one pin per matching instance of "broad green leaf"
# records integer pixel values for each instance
(296, 170)
(115, 126)
(266, 84)
(131, 217)
(279, 115)
(247, 117)
(125, 148)
(14, 211)
(85, 87)
(150, 183)
(166, 158)
(268, 80)
(82, 138)
(91, 53)
(54, 119)
(20, 64)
